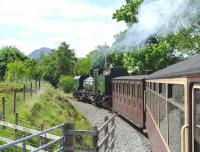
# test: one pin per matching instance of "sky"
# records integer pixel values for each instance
(84, 24)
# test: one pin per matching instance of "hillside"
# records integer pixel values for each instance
(48, 107)
(37, 53)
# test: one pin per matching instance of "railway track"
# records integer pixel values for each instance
(128, 138)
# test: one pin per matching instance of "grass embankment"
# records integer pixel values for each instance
(48, 107)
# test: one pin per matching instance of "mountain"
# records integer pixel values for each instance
(39, 52)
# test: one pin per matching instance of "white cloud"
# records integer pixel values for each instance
(82, 25)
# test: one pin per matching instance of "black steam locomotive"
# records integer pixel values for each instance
(96, 88)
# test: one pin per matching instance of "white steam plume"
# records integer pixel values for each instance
(161, 17)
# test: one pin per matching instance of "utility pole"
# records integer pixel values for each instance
(105, 50)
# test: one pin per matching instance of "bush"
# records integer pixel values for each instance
(66, 83)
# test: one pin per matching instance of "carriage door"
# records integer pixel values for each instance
(196, 117)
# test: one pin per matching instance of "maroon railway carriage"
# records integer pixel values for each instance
(172, 99)
(128, 95)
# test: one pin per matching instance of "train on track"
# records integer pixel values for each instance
(165, 103)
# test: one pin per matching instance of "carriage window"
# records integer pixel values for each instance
(164, 89)
(130, 87)
(136, 90)
(157, 87)
(169, 90)
(197, 120)
(160, 88)
(139, 91)
(126, 91)
(154, 86)
(120, 88)
(176, 122)
(123, 88)
(178, 93)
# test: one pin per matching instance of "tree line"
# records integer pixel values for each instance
(57, 67)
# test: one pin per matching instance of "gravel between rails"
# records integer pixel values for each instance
(128, 139)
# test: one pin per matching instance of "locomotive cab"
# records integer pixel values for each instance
(78, 85)
(103, 86)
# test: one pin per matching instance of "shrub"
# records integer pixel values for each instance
(66, 83)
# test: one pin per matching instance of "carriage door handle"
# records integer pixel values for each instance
(183, 137)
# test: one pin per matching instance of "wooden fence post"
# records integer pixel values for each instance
(113, 133)
(31, 89)
(35, 85)
(3, 111)
(24, 91)
(69, 140)
(41, 138)
(16, 123)
(14, 102)
(95, 139)
(39, 84)
(106, 132)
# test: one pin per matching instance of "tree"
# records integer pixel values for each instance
(116, 58)
(66, 83)
(128, 12)
(9, 54)
(59, 62)
(186, 41)
(82, 66)
(97, 57)
(65, 58)
(15, 71)
(151, 58)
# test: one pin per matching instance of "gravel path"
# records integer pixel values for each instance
(127, 138)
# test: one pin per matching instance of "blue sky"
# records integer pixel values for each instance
(84, 24)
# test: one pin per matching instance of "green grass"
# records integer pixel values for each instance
(48, 107)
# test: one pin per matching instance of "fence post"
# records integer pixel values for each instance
(14, 102)
(39, 84)
(3, 111)
(106, 132)
(69, 140)
(16, 123)
(31, 87)
(24, 92)
(35, 85)
(24, 147)
(41, 138)
(95, 139)
(113, 133)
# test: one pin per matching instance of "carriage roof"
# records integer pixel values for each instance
(186, 67)
(136, 77)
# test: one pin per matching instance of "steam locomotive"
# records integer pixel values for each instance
(96, 88)
(166, 103)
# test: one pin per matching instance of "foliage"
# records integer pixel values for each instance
(50, 108)
(59, 62)
(128, 12)
(116, 58)
(82, 66)
(151, 57)
(66, 83)
(97, 57)
(186, 41)
(9, 54)
(15, 70)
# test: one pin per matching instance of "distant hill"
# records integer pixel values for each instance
(39, 52)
